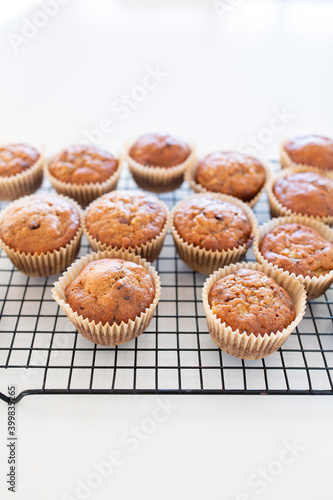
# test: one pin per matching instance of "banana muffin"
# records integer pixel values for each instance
(313, 150)
(232, 173)
(308, 193)
(160, 150)
(83, 164)
(208, 222)
(39, 224)
(298, 249)
(251, 302)
(111, 291)
(124, 219)
(16, 158)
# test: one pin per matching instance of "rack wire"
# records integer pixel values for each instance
(41, 353)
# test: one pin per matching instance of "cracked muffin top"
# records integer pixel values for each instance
(233, 173)
(160, 150)
(307, 193)
(314, 150)
(39, 224)
(83, 164)
(16, 158)
(124, 219)
(298, 249)
(111, 291)
(211, 223)
(251, 302)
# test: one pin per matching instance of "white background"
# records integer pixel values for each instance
(227, 76)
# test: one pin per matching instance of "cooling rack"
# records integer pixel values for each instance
(41, 353)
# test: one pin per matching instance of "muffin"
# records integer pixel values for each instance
(301, 246)
(84, 172)
(21, 170)
(252, 302)
(111, 291)
(158, 161)
(160, 150)
(212, 230)
(127, 219)
(307, 150)
(302, 192)
(298, 249)
(41, 233)
(109, 296)
(17, 158)
(229, 172)
(251, 309)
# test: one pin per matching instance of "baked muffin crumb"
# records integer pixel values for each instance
(39, 224)
(211, 223)
(82, 164)
(124, 219)
(308, 193)
(159, 150)
(16, 158)
(251, 302)
(233, 173)
(314, 150)
(298, 249)
(111, 291)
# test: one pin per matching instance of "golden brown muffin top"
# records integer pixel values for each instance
(16, 158)
(83, 164)
(298, 249)
(233, 173)
(251, 302)
(111, 291)
(160, 150)
(124, 219)
(212, 224)
(39, 224)
(314, 150)
(307, 193)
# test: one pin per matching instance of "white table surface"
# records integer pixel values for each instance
(228, 75)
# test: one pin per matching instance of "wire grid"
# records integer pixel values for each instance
(43, 354)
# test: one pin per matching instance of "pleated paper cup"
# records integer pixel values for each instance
(149, 251)
(207, 261)
(84, 193)
(107, 334)
(314, 286)
(249, 346)
(279, 210)
(191, 175)
(23, 183)
(158, 179)
(44, 264)
(287, 162)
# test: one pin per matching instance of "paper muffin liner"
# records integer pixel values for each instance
(207, 261)
(248, 346)
(314, 286)
(287, 162)
(158, 179)
(107, 334)
(191, 173)
(84, 193)
(44, 264)
(149, 251)
(277, 209)
(23, 183)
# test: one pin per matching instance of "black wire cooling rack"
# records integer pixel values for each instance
(41, 353)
